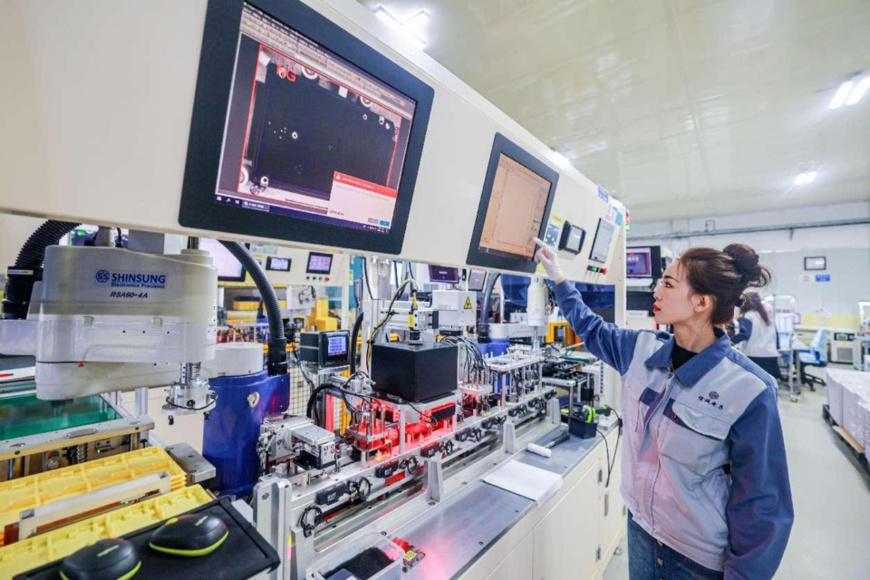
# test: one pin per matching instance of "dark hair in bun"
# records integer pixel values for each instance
(746, 262)
(724, 275)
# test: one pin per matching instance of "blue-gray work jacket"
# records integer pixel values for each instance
(704, 466)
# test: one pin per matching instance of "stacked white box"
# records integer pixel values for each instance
(862, 419)
(835, 378)
(865, 405)
(856, 396)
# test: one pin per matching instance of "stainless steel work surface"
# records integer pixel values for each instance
(565, 456)
(454, 535)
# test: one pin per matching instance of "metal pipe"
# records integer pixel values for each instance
(755, 229)
(141, 401)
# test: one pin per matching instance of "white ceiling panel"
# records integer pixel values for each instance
(681, 108)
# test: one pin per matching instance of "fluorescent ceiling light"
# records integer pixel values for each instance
(406, 28)
(859, 91)
(561, 159)
(842, 94)
(805, 177)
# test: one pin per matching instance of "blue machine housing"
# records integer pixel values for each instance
(230, 434)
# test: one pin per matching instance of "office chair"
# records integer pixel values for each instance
(816, 356)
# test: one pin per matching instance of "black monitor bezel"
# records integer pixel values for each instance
(595, 239)
(639, 249)
(499, 260)
(454, 280)
(308, 269)
(482, 286)
(211, 103)
(567, 229)
(271, 269)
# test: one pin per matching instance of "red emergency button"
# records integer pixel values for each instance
(604, 271)
(327, 278)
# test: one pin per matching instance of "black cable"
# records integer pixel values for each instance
(310, 411)
(366, 276)
(308, 527)
(32, 253)
(483, 325)
(204, 407)
(607, 447)
(612, 464)
(276, 362)
(27, 269)
(357, 326)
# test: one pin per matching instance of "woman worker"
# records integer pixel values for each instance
(704, 468)
(758, 333)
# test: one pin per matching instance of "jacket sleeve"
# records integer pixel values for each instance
(744, 331)
(760, 511)
(615, 346)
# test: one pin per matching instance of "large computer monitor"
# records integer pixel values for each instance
(300, 131)
(601, 245)
(514, 208)
(228, 267)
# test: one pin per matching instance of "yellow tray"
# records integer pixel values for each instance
(53, 545)
(50, 486)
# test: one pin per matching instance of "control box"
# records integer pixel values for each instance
(325, 349)
(415, 372)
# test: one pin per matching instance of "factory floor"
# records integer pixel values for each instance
(831, 499)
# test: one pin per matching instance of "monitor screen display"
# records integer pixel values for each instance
(516, 211)
(319, 263)
(277, 264)
(308, 134)
(228, 267)
(443, 274)
(336, 344)
(476, 280)
(638, 263)
(601, 245)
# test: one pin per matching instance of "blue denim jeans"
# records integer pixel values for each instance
(649, 559)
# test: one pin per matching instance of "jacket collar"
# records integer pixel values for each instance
(693, 370)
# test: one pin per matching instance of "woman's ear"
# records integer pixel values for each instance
(702, 303)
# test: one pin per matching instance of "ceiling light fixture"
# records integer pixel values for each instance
(560, 159)
(805, 177)
(850, 92)
(859, 91)
(406, 28)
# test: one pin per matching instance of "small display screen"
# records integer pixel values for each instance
(815, 263)
(638, 263)
(575, 239)
(278, 264)
(515, 215)
(308, 134)
(319, 263)
(601, 245)
(228, 267)
(336, 345)
(443, 274)
(476, 280)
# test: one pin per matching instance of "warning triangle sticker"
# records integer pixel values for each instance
(467, 303)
